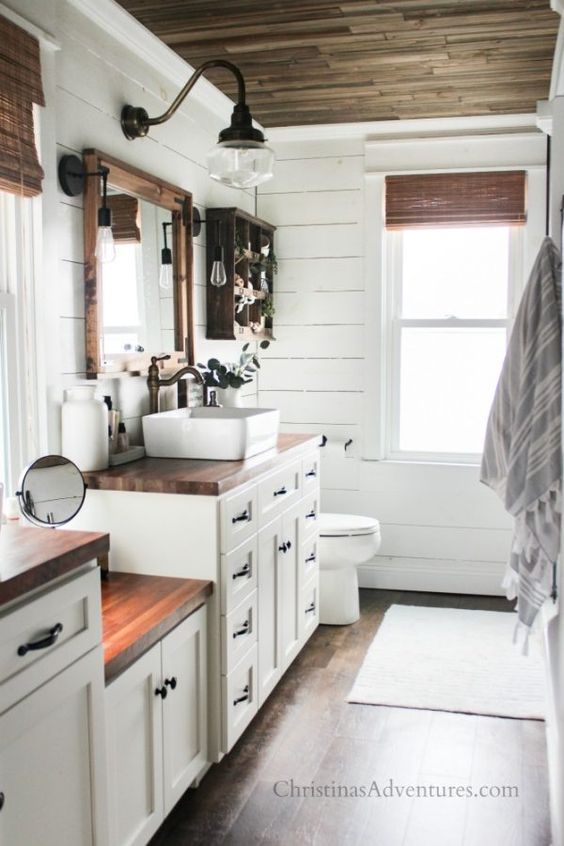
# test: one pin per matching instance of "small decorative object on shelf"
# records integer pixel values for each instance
(242, 308)
(229, 376)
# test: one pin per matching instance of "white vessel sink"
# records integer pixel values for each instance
(221, 434)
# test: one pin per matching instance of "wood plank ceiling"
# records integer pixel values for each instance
(316, 61)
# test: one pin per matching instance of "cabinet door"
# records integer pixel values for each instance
(134, 748)
(184, 709)
(52, 761)
(269, 632)
(289, 584)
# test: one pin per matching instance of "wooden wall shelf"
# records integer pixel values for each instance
(237, 227)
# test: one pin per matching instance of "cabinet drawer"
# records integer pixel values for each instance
(239, 691)
(309, 609)
(309, 517)
(238, 574)
(238, 632)
(63, 624)
(279, 491)
(310, 472)
(238, 518)
(309, 559)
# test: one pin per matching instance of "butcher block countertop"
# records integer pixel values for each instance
(137, 611)
(31, 558)
(194, 476)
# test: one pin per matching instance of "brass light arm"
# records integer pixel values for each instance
(135, 121)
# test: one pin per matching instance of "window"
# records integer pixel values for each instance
(451, 295)
(451, 244)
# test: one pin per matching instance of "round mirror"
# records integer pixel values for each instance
(52, 491)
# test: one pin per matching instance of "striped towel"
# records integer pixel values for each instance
(522, 459)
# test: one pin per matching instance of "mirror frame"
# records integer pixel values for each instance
(142, 185)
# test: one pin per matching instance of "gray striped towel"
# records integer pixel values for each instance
(522, 459)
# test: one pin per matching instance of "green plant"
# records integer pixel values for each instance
(268, 264)
(230, 374)
(268, 309)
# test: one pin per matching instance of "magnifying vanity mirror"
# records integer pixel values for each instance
(52, 491)
(139, 303)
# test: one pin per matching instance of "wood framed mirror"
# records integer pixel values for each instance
(129, 315)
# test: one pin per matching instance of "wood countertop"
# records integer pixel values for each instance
(137, 611)
(194, 476)
(30, 558)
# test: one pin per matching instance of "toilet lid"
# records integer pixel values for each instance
(343, 525)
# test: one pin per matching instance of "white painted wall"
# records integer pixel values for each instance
(105, 59)
(441, 529)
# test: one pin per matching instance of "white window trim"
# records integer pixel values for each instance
(395, 323)
(378, 342)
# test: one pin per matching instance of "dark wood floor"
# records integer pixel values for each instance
(307, 732)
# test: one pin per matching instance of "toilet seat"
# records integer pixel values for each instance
(346, 525)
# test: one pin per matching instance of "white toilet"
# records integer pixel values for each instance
(345, 540)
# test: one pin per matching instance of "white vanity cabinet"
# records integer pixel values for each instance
(52, 755)
(257, 542)
(156, 714)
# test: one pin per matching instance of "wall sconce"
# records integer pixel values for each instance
(165, 276)
(241, 157)
(218, 276)
(71, 179)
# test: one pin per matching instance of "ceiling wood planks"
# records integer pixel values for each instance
(314, 61)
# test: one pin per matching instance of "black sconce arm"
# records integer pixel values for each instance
(135, 121)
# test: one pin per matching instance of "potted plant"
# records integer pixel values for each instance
(267, 310)
(228, 377)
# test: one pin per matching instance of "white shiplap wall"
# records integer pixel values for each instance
(87, 81)
(441, 529)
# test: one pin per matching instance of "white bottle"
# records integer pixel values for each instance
(85, 429)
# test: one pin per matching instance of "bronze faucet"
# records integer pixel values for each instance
(154, 382)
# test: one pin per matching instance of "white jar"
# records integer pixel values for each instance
(85, 429)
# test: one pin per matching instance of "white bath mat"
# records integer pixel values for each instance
(449, 659)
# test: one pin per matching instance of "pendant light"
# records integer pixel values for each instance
(71, 178)
(241, 158)
(218, 276)
(165, 275)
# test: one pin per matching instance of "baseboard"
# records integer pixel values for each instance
(435, 575)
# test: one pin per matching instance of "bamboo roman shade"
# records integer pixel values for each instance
(125, 218)
(456, 199)
(20, 88)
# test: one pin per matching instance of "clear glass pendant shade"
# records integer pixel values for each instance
(105, 246)
(241, 164)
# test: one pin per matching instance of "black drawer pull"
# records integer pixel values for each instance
(2, 798)
(242, 698)
(242, 518)
(280, 492)
(172, 682)
(310, 559)
(51, 638)
(243, 630)
(311, 516)
(310, 608)
(161, 691)
(311, 474)
(244, 571)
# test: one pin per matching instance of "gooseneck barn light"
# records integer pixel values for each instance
(241, 157)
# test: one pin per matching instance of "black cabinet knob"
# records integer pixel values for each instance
(172, 682)
(161, 691)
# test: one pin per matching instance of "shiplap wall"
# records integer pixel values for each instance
(441, 529)
(94, 75)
